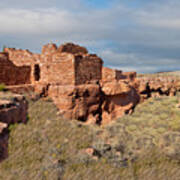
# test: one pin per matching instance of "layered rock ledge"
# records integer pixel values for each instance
(13, 109)
(158, 85)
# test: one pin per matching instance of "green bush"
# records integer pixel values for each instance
(2, 87)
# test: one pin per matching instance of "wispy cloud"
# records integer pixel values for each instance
(138, 62)
(143, 38)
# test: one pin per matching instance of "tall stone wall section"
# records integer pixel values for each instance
(58, 69)
(88, 69)
(11, 74)
(69, 65)
(24, 58)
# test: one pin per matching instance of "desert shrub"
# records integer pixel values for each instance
(50, 147)
(2, 87)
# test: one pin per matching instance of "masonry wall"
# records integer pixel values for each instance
(110, 74)
(72, 48)
(58, 69)
(88, 68)
(11, 74)
(113, 74)
(69, 69)
(22, 57)
(129, 75)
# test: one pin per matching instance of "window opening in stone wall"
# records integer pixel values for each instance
(36, 72)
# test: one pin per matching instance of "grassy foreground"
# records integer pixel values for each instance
(145, 145)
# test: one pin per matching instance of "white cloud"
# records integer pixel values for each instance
(54, 21)
(138, 62)
(35, 22)
(26, 4)
(150, 33)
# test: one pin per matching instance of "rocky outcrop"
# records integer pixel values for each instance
(120, 95)
(119, 98)
(157, 86)
(13, 109)
(80, 102)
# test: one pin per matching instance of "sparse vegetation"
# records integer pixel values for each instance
(2, 87)
(49, 147)
(141, 146)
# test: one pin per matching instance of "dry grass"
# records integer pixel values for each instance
(143, 146)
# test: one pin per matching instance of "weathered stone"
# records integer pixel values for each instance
(79, 84)
(20, 89)
(89, 151)
(11, 74)
(157, 86)
(13, 109)
(72, 48)
(110, 74)
(26, 58)
(115, 87)
(129, 75)
(49, 49)
(21, 57)
(77, 102)
(2, 127)
(119, 99)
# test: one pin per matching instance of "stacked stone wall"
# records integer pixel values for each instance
(11, 74)
(88, 69)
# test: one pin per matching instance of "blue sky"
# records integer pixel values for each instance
(131, 35)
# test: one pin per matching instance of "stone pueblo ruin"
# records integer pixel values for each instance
(78, 83)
